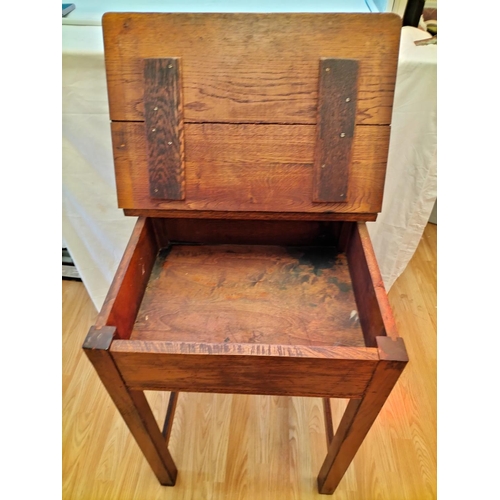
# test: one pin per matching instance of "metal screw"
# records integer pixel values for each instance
(170, 66)
(323, 166)
(342, 134)
(169, 143)
(342, 194)
(156, 190)
(327, 69)
(122, 145)
(156, 108)
(348, 99)
(153, 130)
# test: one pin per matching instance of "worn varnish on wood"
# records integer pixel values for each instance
(250, 294)
(252, 68)
(266, 168)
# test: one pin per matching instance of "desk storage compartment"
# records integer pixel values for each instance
(281, 295)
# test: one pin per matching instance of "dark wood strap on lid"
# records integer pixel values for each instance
(164, 128)
(337, 96)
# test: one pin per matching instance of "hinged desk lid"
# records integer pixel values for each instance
(251, 113)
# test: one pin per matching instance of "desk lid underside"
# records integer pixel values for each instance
(253, 113)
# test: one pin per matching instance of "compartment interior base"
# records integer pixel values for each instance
(250, 294)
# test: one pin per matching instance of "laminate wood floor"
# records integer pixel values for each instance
(257, 447)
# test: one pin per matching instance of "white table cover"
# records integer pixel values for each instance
(411, 179)
(96, 232)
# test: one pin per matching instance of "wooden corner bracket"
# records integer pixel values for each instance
(392, 349)
(99, 338)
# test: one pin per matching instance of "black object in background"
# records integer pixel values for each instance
(413, 12)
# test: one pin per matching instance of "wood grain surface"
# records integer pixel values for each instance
(284, 375)
(125, 293)
(251, 168)
(232, 350)
(375, 312)
(244, 68)
(250, 294)
(247, 447)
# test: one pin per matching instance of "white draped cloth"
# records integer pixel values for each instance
(411, 179)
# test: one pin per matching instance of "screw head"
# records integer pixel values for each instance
(323, 166)
(170, 66)
(156, 190)
(327, 69)
(153, 130)
(348, 99)
(342, 134)
(155, 108)
(169, 143)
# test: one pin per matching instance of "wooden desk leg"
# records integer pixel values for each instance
(329, 433)
(132, 406)
(169, 418)
(360, 415)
